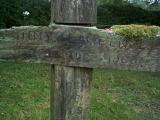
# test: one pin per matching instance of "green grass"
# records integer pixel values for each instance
(115, 95)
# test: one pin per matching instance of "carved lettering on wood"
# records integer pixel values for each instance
(80, 46)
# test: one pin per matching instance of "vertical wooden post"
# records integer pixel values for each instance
(71, 85)
(82, 12)
(71, 93)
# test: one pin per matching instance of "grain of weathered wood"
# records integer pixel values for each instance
(71, 93)
(82, 12)
(72, 84)
(52, 87)
(79, 46)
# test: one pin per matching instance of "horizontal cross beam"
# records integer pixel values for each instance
(79, 46)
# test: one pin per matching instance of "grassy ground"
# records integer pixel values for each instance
(116, 95)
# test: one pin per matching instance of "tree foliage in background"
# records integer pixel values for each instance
(11, 12)
(110, 12)
(147, 4)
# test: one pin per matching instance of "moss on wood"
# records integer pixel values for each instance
(135, 32)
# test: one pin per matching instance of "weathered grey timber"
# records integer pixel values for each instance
(74, 51)
(79, 46)
(71, 95)
(72, 84)
(75, 12)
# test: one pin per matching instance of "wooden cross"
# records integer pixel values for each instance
(73, 47)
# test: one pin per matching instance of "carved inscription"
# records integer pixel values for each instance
(79, 46)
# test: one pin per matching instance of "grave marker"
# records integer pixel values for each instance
(75, 50)
(72, 84)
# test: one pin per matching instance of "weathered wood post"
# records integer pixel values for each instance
(70, 94)
(74, 51)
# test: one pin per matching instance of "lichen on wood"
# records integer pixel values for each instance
(79, 46)
(136, 32)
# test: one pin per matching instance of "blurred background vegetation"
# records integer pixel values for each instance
(114, 12)
(110, 12)
(12, 12)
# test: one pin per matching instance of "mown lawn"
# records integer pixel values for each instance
(115, 95)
